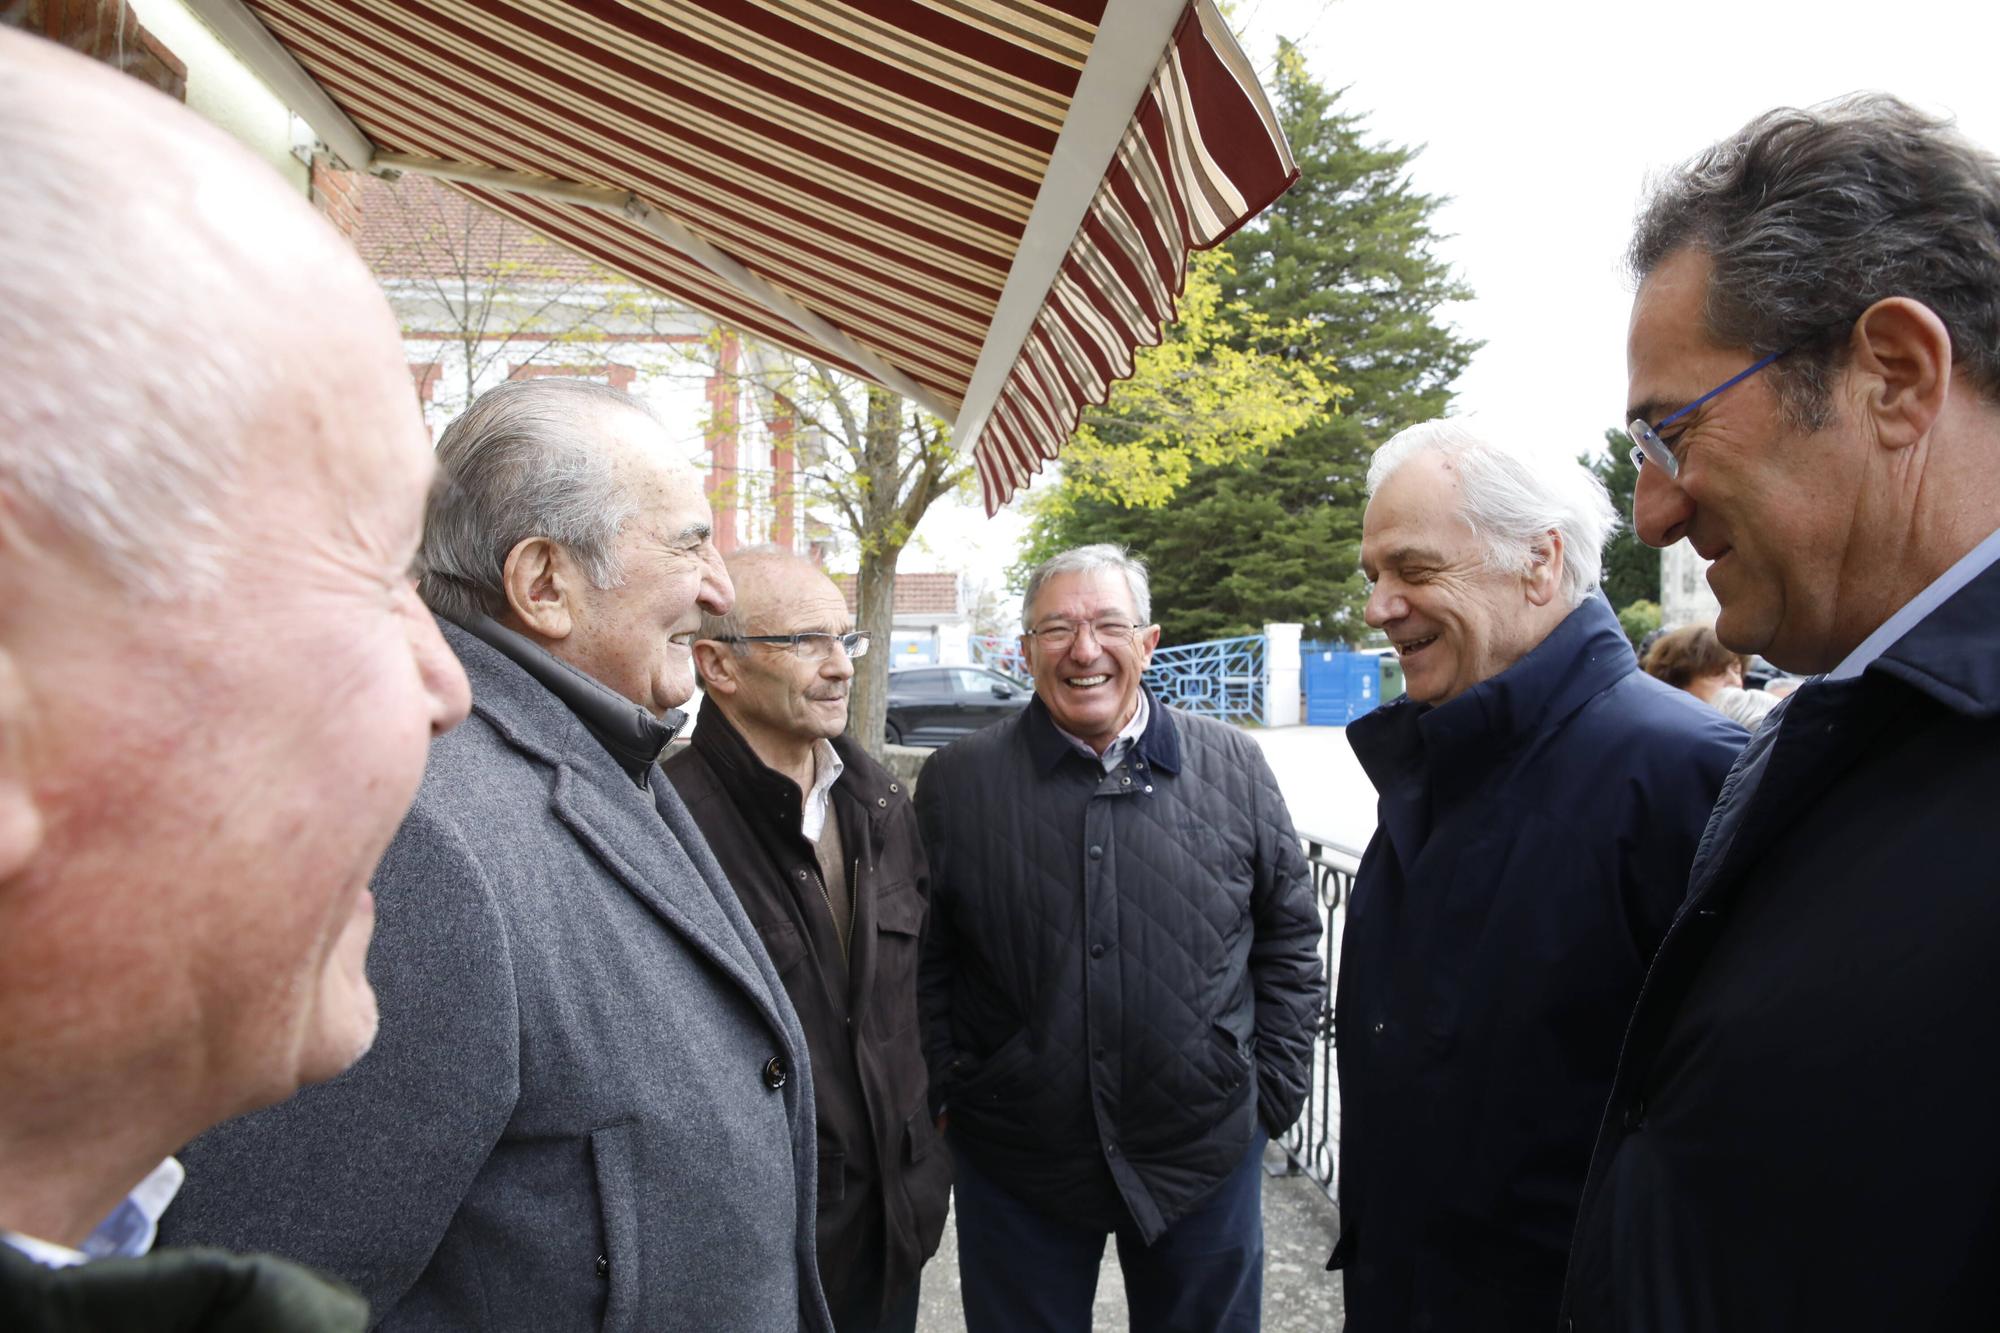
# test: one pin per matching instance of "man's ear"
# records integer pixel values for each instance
(541, 581)
(1147, 639)
(716, 663)
(1544, 576)
(20, 817)
(1902, 352)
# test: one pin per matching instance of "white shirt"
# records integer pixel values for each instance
(1975, 563)
(127, 1233)
(1114, 753)
(827, 769)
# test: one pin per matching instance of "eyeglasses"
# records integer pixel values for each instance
(1063, 633)
(1648, 447)
(811, 645)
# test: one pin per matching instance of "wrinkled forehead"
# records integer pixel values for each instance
(1418, 507)
(788, 598)
(1087, 595)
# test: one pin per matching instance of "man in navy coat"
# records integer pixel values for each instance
(1541, 799)
(1801, 1134)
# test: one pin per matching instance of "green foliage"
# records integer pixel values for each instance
(1631, 568)
(1638, 619)
(1339, 268)
(1212, 392)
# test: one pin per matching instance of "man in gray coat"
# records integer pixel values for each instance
(589, 1106)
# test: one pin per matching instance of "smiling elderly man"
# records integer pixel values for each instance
(1540, 801)
(821, 844)
(1801, 1136)
(217, 686)
(1121, 979)
(590, 1105)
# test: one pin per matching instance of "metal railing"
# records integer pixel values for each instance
(1219, 678)
(1312, 1144)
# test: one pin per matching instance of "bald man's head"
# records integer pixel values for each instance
(163, 297)
(217, 686)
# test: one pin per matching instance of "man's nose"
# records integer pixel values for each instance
(443, 678)
(1661, 510)
(1383, 606)
(838, 663)
(716, 594)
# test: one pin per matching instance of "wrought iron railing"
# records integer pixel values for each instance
(1219, 678)
(1312, 1145)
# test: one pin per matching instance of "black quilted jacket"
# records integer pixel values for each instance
(1121, 972)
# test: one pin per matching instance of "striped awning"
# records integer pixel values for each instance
(983, 205)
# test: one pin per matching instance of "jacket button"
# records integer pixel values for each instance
(1110, 1150)
(775, 1073)
(1096, 852)
(894, 787)
(1097, 951)
(603, 1266)
(882, 801)
(1377, 1029)
(1635, 1115)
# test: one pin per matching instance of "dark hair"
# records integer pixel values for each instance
(1682, 656)
(1810, 217)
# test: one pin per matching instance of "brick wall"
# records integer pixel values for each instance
(337, 194)
(104, 30)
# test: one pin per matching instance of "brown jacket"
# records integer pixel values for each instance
(883, 1173)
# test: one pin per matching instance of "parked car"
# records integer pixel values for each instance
(936, 705)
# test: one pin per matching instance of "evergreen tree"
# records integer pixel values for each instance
(1347, 254)
(1631, 568)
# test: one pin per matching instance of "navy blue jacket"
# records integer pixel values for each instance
(1534, 841)
(1802, 1131)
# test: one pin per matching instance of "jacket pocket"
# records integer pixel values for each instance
(613, 1152)
(899, 924)
(986, 1081)
(783, 943)
(926, 1179)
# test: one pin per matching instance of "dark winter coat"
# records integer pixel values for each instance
(1534, 842)
(1802, 1132)
(187, 1291)
(1122, 974)
(883, 1177)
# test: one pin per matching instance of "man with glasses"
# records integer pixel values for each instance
(821, 845)
(1800, 1132)
(1121, 979)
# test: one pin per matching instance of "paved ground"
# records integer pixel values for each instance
(1300, 1296)
(1322, 781)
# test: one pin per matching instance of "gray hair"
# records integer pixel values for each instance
(1511, 501)
(728, 628)
(1810, 217)
(1086, 560)
(517, 464)
(126, 381)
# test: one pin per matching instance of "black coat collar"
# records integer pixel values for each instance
(1159, 745)
(633, 736)
(751, 782)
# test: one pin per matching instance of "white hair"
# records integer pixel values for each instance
(1085, 560)
(520, 463)
(1512, 501)
(126, 380)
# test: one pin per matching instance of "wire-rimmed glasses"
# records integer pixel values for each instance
(1648, 447)
(811, 645)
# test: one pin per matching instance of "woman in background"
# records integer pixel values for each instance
(1691, 658)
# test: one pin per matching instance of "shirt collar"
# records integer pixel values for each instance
(827, 769)
(1974, 563)
(1123, 741)
(1158, 745)
(127, 1233)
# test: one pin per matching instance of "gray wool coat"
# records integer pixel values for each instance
(569, 1119)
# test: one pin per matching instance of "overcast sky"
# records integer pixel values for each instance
(1542, 123)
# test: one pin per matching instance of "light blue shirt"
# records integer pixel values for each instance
(126, 1234)
(1975, 562)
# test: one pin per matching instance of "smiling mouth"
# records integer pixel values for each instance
(1085, 682)
(1415, 646)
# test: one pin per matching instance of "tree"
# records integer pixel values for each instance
(1631, 568)
(493, 290)
(1341, 266)
(879, 464)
